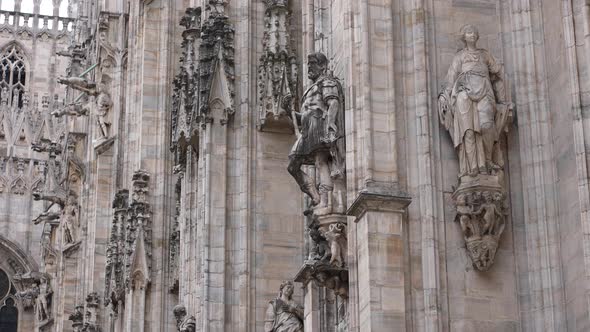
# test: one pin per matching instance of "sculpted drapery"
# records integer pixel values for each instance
(473, 108)
(283, 314)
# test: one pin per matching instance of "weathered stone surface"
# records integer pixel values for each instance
(205, 109)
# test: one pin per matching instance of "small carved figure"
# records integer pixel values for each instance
(184, 323)
(473, 108)
(491, 214)
(320, 249)
(77, 318)
(70, 215)
(320, 141)
(74, 109)
(103, 105)
(29, 296)
(42, 301)
(336, 236)
(283, 314)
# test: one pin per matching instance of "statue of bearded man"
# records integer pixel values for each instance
(320, 140)
(184, 323)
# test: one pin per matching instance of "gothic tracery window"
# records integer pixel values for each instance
(8, 307)
(13, 76)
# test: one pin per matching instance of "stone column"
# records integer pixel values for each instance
(376, 262)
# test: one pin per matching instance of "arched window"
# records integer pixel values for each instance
(8, 309)
(13, 76)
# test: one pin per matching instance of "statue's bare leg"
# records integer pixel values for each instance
(322, 167)
(305, 182)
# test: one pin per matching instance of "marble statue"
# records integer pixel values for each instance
(70, 215)
(473, 108)
(184, 323)
(283, 314)
(42, 300)
(320, 135)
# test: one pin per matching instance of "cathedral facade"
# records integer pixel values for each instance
(294, 165)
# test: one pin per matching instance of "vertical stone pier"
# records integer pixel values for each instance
(376, 261)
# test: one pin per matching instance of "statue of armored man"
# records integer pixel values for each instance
(320, 139)
(474, 109)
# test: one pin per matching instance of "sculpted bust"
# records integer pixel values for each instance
(184, 323)
(283, 314)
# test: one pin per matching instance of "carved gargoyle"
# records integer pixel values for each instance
(73, 109)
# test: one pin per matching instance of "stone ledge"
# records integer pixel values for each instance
(390, 200)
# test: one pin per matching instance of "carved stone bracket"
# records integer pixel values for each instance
(325, 275)
(327, 263)
(277, 70)
(481, 212)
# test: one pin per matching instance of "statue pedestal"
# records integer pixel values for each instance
(319, 278)
(376, 262)
(481, 211)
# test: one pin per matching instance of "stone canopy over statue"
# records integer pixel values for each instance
(474, 109)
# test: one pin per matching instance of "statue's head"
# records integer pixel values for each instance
(482, 251)
(317, 64)
(469, 34)
(286, 289)
(179, 311)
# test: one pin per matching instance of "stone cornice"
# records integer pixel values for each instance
(379, 198)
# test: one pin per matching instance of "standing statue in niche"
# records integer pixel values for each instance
(320, 139)
(184, 322)
(70, 215)
(473, 108)
(42, 301)
(283, 314)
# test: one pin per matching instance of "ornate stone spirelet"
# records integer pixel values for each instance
(277, 70)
